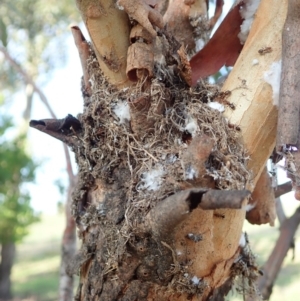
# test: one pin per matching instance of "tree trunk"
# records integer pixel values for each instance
(162, 183)
(7, 258)
(66, 283)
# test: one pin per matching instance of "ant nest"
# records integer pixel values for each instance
(146, 163)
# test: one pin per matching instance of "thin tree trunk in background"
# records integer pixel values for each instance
(273, 265)
(7, 259)
(66, 282)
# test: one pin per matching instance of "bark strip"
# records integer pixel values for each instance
(263, 200)
(173, 210)
(84, 53)
(288, 130)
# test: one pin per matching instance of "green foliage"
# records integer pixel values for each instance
(34, 32)
(16, 168)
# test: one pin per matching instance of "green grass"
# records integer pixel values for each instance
(36, 269)
(35, 273)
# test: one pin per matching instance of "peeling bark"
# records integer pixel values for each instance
(179, 19)
(222, 49)
(288, 130)
(263, 200)
(84, 53)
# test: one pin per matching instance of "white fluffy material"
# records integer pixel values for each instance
(249, 207)
(255, 62)
(191, 125)
(247, 13)
(190, 173)
(195, 280)
(121, 109)
(216, 106)
(272, 77)
(242, 242)
(152, 179)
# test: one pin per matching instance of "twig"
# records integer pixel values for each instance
(283, 189)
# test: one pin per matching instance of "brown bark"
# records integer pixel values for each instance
(84, 53)
(179, 21)
(263, 200)
(8, 251)
(288, 130)
(222, 49)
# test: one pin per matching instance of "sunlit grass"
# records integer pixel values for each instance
(35, 273)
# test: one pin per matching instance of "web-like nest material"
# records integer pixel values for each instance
(108, 145)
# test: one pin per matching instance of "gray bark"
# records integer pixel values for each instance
(8, 251)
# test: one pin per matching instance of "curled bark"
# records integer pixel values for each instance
(144, 13)
(138, 111)
(288, 130)
(84, 53)
(163, 219)
(140, 57)
(181, 15)
(61, 129)
(263, 200)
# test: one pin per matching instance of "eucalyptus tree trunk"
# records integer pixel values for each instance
(164, 177)
(8, 251)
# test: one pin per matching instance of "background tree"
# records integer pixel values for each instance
(16, 213)
(33, 24)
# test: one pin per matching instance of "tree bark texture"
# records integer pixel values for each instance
(8, 251)
(289, 103)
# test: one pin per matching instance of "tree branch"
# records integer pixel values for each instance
(273, 264)
(28, 80)
(283, 189)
